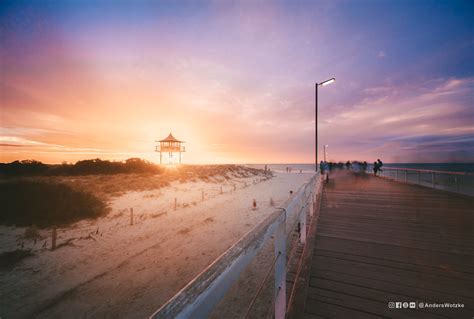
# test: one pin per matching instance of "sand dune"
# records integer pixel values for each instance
(108, 268)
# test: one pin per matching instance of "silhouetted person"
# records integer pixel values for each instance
(376, 168)
(379, 162)
(364, 166)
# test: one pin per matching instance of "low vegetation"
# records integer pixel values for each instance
(26, 203)
(106, 186)
(85, 167)
(33, 193)
(10, 259)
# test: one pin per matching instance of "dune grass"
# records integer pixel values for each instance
(107, 186)
(45, 200)
(26, 203)
(10, 259)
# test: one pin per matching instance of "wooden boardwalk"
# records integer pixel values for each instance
(379, 241)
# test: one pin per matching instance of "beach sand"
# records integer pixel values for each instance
(109, 268)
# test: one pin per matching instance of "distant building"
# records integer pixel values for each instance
(170, 145)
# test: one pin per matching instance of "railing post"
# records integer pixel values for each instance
(456, 181)
(311, 207)
(418, 177)
(405, 176)
(433, 179)
(303, 226)
(396, 174)
(280, 271)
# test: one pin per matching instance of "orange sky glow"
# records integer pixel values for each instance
(235, 82)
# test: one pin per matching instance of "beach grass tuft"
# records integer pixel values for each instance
(45, 204)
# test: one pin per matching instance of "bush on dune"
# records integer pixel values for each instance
(26, 167)
(33, 193)
(85, 167)
(11, 258)
(25, 203)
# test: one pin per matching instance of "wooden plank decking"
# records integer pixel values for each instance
(379, 241)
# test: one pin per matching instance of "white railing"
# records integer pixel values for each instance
(457, 182)
(199, 297)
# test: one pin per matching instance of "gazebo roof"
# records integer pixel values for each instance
(171, 138)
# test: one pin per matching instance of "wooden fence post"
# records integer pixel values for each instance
(272, 202)
(53, 238)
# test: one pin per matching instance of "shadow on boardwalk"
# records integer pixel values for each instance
(379, 241)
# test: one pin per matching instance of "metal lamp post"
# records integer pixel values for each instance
(327, 82)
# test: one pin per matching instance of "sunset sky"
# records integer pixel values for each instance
(235, 80)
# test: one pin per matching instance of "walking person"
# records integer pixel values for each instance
(379, 162)
(376, 168)
(364, 167)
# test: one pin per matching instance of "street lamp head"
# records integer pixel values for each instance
(327, 82)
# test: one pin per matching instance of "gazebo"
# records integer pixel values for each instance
(170, 145)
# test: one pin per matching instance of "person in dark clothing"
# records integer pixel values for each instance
(380, 164)
(348, 165)
(364, 166)
(376, 168)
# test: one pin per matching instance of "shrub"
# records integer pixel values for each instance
(85, 167)
(25, 203)
(26, 167)
(10, 259)
(31, 233)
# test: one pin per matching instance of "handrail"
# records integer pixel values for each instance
(455, 182)
(426, 170)
(198, 298)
